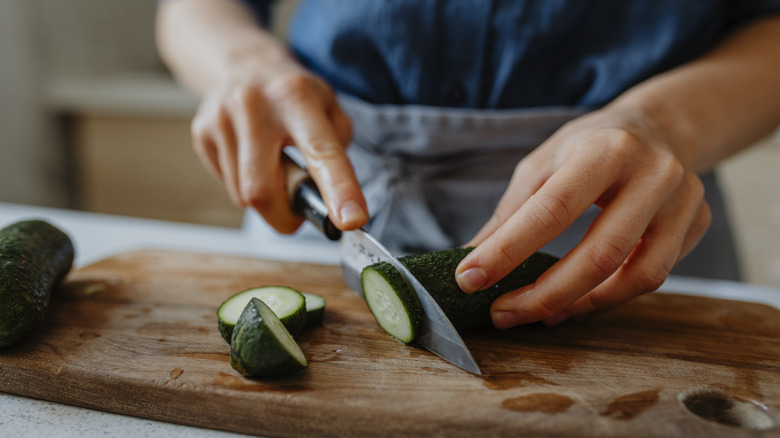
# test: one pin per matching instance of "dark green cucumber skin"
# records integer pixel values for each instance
(314, 318)
(253, 345)
(225, 330)
(405, 292)
(436, 272)
(294, 324)
(34, 257)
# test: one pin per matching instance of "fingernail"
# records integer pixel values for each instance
(557, 318)
(351, 212)
(472, 280)
(503, 319)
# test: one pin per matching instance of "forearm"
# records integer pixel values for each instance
(204, 41)
(720, 103)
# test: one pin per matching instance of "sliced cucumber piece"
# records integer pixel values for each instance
(287, 303)
(261, 346)
(392, 301)
(315, 310)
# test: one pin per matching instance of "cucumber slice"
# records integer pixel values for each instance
(287, 303)
(393, 302)
(436, 272)
(261, 346)
(315, 310)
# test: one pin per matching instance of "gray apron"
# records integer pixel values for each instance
(433, 176)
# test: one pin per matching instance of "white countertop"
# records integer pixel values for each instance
(97, 236)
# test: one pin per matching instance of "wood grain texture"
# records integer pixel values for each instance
(136, 334)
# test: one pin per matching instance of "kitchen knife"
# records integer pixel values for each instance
(359, 249)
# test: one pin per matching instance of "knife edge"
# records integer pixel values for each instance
(358, 250)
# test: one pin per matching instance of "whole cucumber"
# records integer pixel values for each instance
(436, 272)
(34, 257)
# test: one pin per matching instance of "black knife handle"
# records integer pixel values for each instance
(306, 201)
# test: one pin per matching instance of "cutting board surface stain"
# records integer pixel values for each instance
(136, 334)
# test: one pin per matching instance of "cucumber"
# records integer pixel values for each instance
(34, 257)
(436, 272)
(288, 304)
(261, 346)
(315, 310)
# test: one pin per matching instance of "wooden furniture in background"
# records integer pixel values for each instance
(147, 168)
(130, 143)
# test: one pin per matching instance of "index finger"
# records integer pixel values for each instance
(545, 215)
(327, 162)
(603, 251)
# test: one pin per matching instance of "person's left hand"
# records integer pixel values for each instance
(653, 214)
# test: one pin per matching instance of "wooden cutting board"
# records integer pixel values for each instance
(136, 334)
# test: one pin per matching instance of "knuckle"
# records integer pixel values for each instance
(623, 137)
(652, 276)
(245, 97)
(549, 213)
(702, 221)
(510, 257)
(547, 307)
(608, 254)
(200, 138)
(694, 185)
(199, 126)
(203, 143)
(322, 147)
(669, 165)
(292, 87)
(669, 171)
(705, 216)
(621, 144)
(257, 195)
(590, 302)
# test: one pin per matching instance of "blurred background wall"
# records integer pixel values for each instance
(63, 64)
(90, 119)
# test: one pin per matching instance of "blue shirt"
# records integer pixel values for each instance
(505, 53)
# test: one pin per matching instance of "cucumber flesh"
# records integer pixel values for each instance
(315, 310)
(262, 346)
(287, 303)
(393, 302)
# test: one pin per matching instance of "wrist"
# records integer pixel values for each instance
(667, 122)
(259, 58)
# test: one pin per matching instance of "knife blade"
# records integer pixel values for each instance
(358, 249)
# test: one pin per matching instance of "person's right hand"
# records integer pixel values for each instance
(242, 126)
